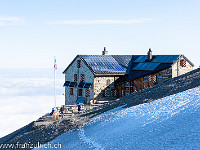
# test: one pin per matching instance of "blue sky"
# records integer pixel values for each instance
(33, 32)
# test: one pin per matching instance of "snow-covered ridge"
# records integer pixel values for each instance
(168, 123)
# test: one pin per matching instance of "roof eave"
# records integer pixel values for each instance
(181, 55)
(82, 60)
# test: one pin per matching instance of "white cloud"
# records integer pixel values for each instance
(138, 20)
(29, 86)
(18, 111)
(8, 21)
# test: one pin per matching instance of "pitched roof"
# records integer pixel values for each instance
(140, 66)
(107, 64)
(141, 63)
(134, 66)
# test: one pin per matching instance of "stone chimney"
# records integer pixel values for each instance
(149, 55)
(104, 52)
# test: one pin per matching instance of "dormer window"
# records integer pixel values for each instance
(78, 64)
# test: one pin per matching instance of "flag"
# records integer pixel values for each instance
(55, 65)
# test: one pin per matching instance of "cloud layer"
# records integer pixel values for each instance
(26, 95)
(8, 21)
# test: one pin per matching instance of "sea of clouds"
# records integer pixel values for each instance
(26, 95)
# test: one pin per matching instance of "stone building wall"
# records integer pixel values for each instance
(69, 76)
(166, 74)
(100, 85)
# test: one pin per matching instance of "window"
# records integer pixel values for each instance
(146, 79)
(80, 92)
(75, 77)
(127, 93)
(108, 82)
(122, 92)
(159, 78)
(104, 93)
(78, 64)
(131, 84)
(82, 78)
(113, 92)
(122, 85)
(127, 84)
(87, 93)
(183, 63)
(71, 91)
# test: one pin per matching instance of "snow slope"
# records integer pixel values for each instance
(172, 122)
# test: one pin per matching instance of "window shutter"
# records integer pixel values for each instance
(87, 93)
(75, 77)
(150, 79)
(78, 64)
(154, 78)
(183, 63)
(82, 78)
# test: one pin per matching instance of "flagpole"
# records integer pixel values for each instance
(55, 67)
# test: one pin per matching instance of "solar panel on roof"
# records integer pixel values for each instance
(165, 58)
(141, 58)
(146, 66)
(103, 63)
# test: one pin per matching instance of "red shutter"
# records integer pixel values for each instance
(75, 77)
(78, 64)
(82, 78)
(154, 78)
(150, 79)
(87, 93)
(183, 63)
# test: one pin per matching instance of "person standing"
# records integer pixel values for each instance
(62, 111)
(79, 107)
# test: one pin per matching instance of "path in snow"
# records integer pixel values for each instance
(89, 141)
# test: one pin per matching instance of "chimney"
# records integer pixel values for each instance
(149, 55)
(104, 52)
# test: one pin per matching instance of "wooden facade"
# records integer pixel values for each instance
(134, 85)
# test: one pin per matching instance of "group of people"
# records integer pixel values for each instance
(62, 110)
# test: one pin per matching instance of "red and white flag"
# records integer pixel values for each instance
(55, 65)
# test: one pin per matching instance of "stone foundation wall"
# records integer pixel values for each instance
(103, 88)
